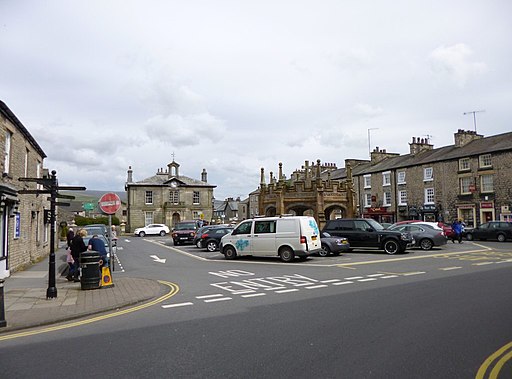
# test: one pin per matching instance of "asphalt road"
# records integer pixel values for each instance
(435, 314)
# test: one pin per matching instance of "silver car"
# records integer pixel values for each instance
(426, 236)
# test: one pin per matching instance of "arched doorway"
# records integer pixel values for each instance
(270, 212)
(334, 212)
(301, 210)
(175, 218)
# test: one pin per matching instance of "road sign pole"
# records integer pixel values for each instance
(51, 292)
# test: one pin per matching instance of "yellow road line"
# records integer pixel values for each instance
(174, 290)
(494, 373)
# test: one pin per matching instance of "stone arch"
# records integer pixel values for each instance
(270, 211)
(301, 210)
(175, 218)
(335, 211)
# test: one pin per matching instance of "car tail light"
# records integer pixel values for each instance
(205, 235)
(303, 239)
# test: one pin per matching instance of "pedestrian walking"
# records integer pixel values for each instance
(77, 248)
(457, 231)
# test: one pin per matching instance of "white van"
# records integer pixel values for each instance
(285, 236)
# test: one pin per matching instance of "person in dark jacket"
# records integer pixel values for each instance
(96, 244)
(77, 248)
(69, 236)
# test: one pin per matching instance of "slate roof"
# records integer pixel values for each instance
(164, 180)
(492, 144)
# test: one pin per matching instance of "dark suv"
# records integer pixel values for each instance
(368, 233)
(184, 231)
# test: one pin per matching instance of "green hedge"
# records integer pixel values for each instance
(82, 221)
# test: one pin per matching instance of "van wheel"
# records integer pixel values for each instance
(391, 247)
(287, 254)
(229, 252)
(324, 251)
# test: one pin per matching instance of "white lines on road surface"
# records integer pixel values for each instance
(389, 276)
(316, 287)
(414, 273)
(177, 305)
(366, 280)
(288, 290)
(483, 263)
(254, 295)
(341, 283)
(218, 299)
(450, 268)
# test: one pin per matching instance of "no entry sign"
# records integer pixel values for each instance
(109, 203)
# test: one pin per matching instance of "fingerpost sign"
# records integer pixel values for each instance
(109, 203)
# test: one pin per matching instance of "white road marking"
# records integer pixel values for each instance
(450, 268)
(209, 296)
(254, 295)
(340, 283)
(374, 275)
(330, 281)
(286, 291)
(317, 286)
(177, 305)
(483, 263)
(389, 276)
(414, 273)
(366, 280)
(355, 277)
(221, 299)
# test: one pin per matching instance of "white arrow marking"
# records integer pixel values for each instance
(159, 260)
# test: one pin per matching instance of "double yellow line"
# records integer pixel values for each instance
(174, 289)
(500, 357)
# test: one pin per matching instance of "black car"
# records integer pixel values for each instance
(201, 231)
(368, 233)
(493, 230)
(211, 239)
(333, 245)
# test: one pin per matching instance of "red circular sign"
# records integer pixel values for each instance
(109, 203)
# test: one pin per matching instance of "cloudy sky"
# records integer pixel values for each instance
(233, 86)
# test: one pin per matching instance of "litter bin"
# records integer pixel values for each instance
(90, 278)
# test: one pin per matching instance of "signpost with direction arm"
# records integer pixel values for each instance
(51, 187)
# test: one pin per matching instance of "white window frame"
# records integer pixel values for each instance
(485, 160)
(401, 177)
(429, 196)
(464, 164)
(386, 199)
(386, 178)
(39, 167)
(464, 185)
(367, 180)
(196, 199)
(148, 197)
(428, 174)
(25, 168)
(487, 186)
(7, 157)
(174, 197)
(367, 200)
(148, 218)
(402, 197)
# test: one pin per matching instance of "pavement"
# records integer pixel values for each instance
(26, 305)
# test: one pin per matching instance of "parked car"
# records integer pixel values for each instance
(332, 245)
(105, 242)
(493, 230)
(210, 239)
(99, 229)
(184, 231)
(197, 238)
(284, 236)
(156, 229)
(368, 233)
(448, 231)
(425, 235)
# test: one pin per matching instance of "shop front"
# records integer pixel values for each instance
(380, 214)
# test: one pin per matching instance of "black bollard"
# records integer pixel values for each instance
(2, 306)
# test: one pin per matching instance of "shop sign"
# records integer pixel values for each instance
(486, 204)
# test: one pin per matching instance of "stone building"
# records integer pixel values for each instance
(469, 180)
(24, 233)
(310, 191)
(167, 197)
